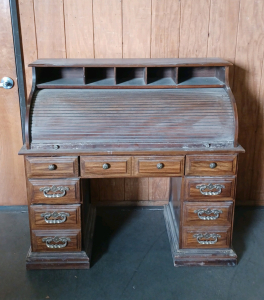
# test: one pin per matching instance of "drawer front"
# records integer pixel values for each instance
(105, 166)
(207, 214)
(55, 216)
(54, 191)
(211, 165)
(56, 240)
(197, 237)
(209, 188)
(159, 166)
(56, 167)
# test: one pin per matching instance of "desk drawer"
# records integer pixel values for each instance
(207, 213)
(209, 188)
(56, 167)
(197, 237)
(211, 165)
(54, 191)
(56, 240)
(105, 166)
(159, 166)
(55, 216)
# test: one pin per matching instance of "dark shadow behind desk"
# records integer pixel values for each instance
(116, 118)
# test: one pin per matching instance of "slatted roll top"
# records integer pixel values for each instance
(84, 118)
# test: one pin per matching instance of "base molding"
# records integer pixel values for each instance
(194, 257)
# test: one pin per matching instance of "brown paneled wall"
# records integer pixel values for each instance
(233, 30)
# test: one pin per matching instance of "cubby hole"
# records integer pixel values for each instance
(59, 76)
(161, 76)
(201, 76)
(130, 76)
(100, 76)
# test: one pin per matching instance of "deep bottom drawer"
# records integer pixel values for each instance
(56, 240)
(206, 238)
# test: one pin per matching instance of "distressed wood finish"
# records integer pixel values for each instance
(36, 196)
(192, 193)
(191, 218)
(148, 166)
(63, 166)
(38, 221)
(200, 165)
(73, 245)
(93, 166)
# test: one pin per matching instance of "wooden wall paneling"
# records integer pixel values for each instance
(136, 28)
(28, 36)
(194, 28)
(159, 189)
(79, 29)
(165, 29)
(49, 20)
(222, 34)
(107, 19)
(136, 189)
(248, 70)
(12, 174)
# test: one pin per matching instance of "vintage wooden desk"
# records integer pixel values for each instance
(97, 118)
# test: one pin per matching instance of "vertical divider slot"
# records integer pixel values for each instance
(162, 76)
(101, 76)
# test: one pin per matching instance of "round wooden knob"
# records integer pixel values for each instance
(160, 165)
(52, 167)
(106, 166)
(213, 165)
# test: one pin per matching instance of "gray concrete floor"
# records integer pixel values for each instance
(132, 260)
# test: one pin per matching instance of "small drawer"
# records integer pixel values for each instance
(207, 213)
(211, 165)
(56, 240)
(56, 167)
(197, 237)
(209, 188)
(54, 191)
(105, 166)
(55, 216)
(159, 166)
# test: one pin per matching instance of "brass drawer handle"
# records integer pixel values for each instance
(54, 189)
(106, 166)
(210, 187)
(160, 166)
(52, 167)
(216, 213)
(213, 165)
(56, 240)
(60, 217)
(210, 238)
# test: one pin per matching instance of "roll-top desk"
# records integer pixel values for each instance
(115, 118)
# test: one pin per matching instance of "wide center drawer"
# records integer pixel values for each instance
(105, 166)
(56, 167)
(209, 188)
(54, 191)
(207, 213)
(159, 166)
(55, 216)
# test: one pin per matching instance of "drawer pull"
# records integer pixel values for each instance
(54, 189)
(106, 166)
(216, 213)
(210, 187)
(56, 240)
(210, 238)
(160, 166)
(58, 217)
(52, 167)
(213, 165)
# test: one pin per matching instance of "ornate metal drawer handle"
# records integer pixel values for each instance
(210, 187)
(62, 217)
(54, 189)
(208, 212)
(211, 238)
(56, 240)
